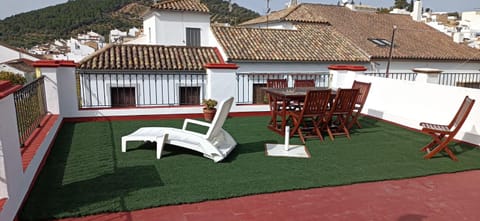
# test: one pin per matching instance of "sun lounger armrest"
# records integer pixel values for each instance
(201, 123)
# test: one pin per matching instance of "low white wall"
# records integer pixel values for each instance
(15, 200)
(409, 103)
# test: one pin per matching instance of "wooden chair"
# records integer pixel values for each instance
(275, 106)
(304, 83)
(311, 115)
(336, 121)
(277, 83)
(443, 134)
(363, 88)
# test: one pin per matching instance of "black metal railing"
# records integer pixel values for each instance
(249, 84)
(107, 89)
(31, 108)
(398, 76)
(471, 80)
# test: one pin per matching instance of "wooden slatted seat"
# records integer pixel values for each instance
(304, 83)
(443, 134)
(312, 114)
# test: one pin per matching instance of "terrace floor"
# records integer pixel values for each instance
(438, 197)
(448, 196)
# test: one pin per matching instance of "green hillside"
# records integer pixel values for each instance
(77, 16)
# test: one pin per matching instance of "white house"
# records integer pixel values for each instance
(301, 41)
(8, 53)
(76, 50)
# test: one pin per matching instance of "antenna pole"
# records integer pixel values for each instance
(268, 10)
(391, 51)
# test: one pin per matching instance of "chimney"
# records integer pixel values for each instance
(417, 11)
(292, 3)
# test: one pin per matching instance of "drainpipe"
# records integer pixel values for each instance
(391, 51)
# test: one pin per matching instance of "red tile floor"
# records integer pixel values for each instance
(449, 197)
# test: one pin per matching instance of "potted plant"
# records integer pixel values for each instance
(209, 109)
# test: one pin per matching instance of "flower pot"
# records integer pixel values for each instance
(209, 114)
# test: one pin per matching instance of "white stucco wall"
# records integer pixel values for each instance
(274, 25)
(407, 66)
(168, 28)
(471, 19)
(7, 54)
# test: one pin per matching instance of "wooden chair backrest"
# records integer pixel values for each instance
(277, 83)
(344, 101)
(461, 114)
(316, 102)
(363, 88)
(304, 83)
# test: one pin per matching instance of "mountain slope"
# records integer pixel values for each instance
(77, 16)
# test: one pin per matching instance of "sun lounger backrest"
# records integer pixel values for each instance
(220, 117)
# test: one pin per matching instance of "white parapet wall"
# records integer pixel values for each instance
(408, 103)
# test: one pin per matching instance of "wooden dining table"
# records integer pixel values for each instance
(280, 100)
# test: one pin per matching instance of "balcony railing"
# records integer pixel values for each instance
(249, 84)
(471, 80)
(30, 105)
(106, 90)
(397, 76)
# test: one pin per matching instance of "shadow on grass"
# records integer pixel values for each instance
(172, 150)
(457, 149)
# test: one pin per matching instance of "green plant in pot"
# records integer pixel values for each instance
(209, 109)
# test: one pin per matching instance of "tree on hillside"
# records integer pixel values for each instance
(400, 4)
(410, 6)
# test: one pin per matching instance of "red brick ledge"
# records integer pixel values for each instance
(159, 117)
(54, 63)
(7, 88)
(221, 66)
(34, 141)
(347, 67)
(2, 203)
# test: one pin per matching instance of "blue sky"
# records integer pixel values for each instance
(11, 7)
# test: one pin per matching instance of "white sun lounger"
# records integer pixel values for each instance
(215, 144)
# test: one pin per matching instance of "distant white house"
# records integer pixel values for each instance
(117, 36)
(76, 50)
(8, 53)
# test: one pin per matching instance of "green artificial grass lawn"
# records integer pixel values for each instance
(86, 172)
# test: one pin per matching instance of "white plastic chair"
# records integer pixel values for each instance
(215, 144)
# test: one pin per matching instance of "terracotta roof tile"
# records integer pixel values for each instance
(413, 40)
(311, 42)
(150, 57)
(182, 5)
(296, 13)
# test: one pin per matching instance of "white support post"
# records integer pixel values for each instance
(427, 75)
(344, 75)
(221, 81)
(61, 98)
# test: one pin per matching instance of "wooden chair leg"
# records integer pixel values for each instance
(442, 146)
(428, 146)
(318, 132)
(330, 134)
(343, 122)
